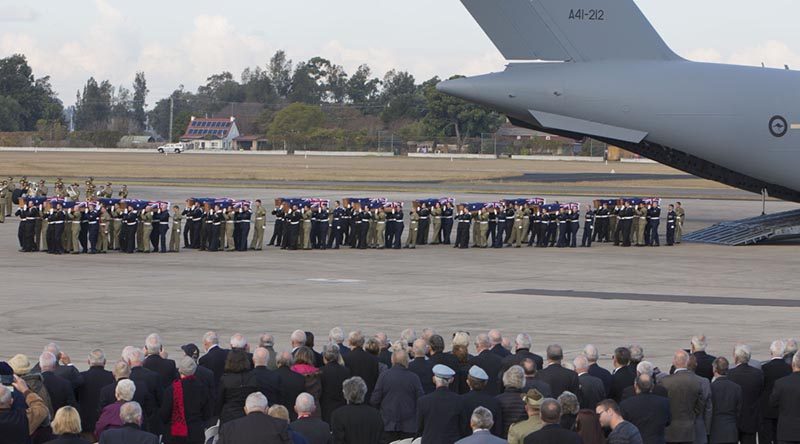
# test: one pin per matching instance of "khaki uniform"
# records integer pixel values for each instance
(518, 431)
(436, 214)
(306, 230)
(380, 229)
(147, 228)
(105, 229)
(229, 224)
(413, 228)
(43, 231)
(175, 232)
(680, 215)
(76, 230)
(114, 229)
(639, 223)
(260, 214)
(483, 223)
(123, 193)
(66, 235)
(516, 232)
(526, 224)
(3, 202)
(9, 195)
(476, 231)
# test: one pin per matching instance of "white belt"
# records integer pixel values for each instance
(57, 222)
(381, 222)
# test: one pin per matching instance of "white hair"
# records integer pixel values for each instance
(495, 336)
(131, 413)
(645, 368)
(5, 397)
(47, 361)
(481, 418)
(523, 341)
(580, 362)
(153, 344)
(461, 338)
(256, 402)
(298, 336)
(514, 377)
(133, 355)
(125, 390)
(336, 335)
(408, 336)
(211, 337)
(699, 343)
(97, 357)
(777, 348)
(187, 366)
(53, 348)
(796, 361)
(238, 341)
(482, 341)
(741, 354)
(305, 403)
(591, 353)
(260, 356)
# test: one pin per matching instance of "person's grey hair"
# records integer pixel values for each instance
(53, 348)
(187, 366)
(495, 336)
(284, 359)
(132, 355)
(266, 340)
(569, 403)
(481, 418)
(331, 353)
(400, 358)
(741, 353)
(211, 337)
(238, 341)
(777, 348)
(305, 403)
(260, 357)
(131, 413)
(580, 362)
(514, 377)
(482, 341)
(355, 339)
(439, 381)
(354, 390)
(299, 337)
(555, 352)
(637, 352)
(5, 397)
(97, 357)
(256, 402)
(121, 370)
(420, 348)
(153, 344)
(591, 353)
(47, 361)
(645, 368)
(699, 342)
(681, 359)
(524, 341)
(125, 390)
(408, 336)
(791, 346)
(796, 361)
(336, 335)
(382, 339)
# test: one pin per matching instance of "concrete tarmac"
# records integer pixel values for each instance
(609, 296)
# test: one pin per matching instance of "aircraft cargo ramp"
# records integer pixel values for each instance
(770, 227)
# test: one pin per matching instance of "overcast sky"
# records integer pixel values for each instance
(183, 42)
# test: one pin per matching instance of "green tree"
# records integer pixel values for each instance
(10, 114)
(401, 98)
(362, 88)
(280, 74)
(35, 97)
(93, 107)
(453, 117)
(221, 88)
(296, 124)
(140, 100)
(257, 86)
(305, 88)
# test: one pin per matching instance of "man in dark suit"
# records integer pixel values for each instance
(385, 355)
(292, 384)
(155, 362)
(215, 357)
(333, 376)
(552, 432)
(88, 395)
(395, 395)
(59, 389)
(751, 380)
(623, 375)
(645, 368)
(256, 426)
(361, 363)
(594, 369)
(142, 394)
(356, 422)
(685, 400)
(560, 379)
(773, 370)
(522, 346)
(496, 340)
(152, 380)
(336, 336)
(785, 398)
(726, 401)
(704, 360)
(63, 367)
(489, 362)
(532, 382)
(650, 413)
(313, 429)
(267, 381)
(592, 389)
(422, 366)
(439, 356)
(310, 344)
(477, 397)
(439, 413)
(130, 433)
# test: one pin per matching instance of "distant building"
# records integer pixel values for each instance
(134, 141)
(211, 134)
(250, 143)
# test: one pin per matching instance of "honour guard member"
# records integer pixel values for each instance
(293, 218)
(613, 221)
(147, 230)
(413, 228)
(398, 226)
(672, 217)
(229, 217)
(55, 230)
(77, 227)
(123, 193)
(640, 225)
(258, 229)
(245, 216)
(163, 227)
(500, 227)
(175, 230)
(3, 200)
(588, 227)
(277, 233)
(26, 214)
(215, 216)
(436, 214)
(380, 228)
(424, 224)
(462, 231)
(305, 229)
(41, 244)
(337, 234)
(680, 217)
(447, 222)
(115, 227)
(654, 218)
(483, 231)
(131, 224)
(104, 219)
(574, 226)
(93, 227)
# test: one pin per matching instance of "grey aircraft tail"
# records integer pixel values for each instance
(569, 30)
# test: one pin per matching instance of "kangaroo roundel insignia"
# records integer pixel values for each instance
(778, 126)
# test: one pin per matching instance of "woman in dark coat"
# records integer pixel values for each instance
(186, 408)
(304, 365)
(234, 387)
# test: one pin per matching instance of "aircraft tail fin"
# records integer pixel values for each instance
(569, 30)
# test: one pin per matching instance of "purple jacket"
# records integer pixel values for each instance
(109, 419)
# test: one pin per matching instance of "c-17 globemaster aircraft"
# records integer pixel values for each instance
(611, 77)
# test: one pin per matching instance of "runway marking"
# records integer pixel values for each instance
(795, 126)
(702, 300)
(335, 281)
